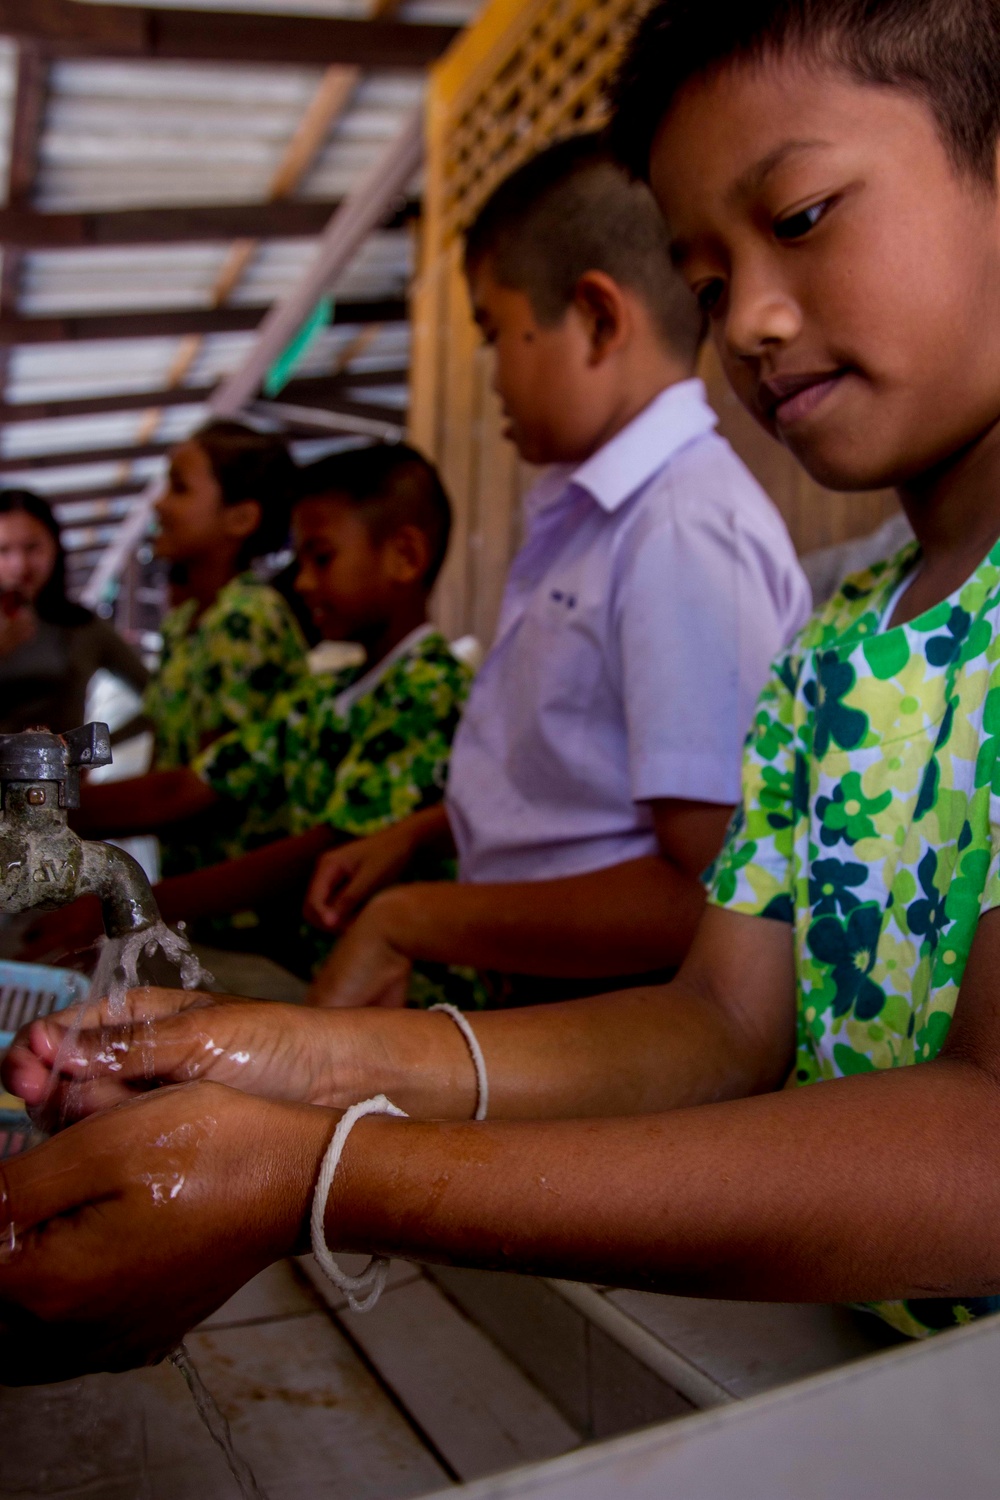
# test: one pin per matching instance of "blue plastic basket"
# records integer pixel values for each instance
(28, 991)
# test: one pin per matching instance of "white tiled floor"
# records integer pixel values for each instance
(324, 1405)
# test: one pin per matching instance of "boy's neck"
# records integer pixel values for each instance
(648, 379)
(385, 638)
(955, 512)
(957, 505)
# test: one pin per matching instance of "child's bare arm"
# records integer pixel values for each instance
(723, 1029)
(347, 877)
(245, 882)
(626, 919)
(867, 1188)
(143, 804)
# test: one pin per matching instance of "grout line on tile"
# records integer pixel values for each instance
(546, 1395)
(285, 1317)
(416, 1427)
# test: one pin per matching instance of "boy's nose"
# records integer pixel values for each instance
(758, 318)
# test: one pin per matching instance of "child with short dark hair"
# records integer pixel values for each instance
(338, 755)
(828, 172)
(598, 760)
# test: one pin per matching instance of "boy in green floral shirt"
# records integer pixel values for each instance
(338, 755)
(810, 1111)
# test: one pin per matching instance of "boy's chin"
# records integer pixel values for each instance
(844, 465)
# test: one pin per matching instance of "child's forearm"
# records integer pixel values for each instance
(238, 884)
(864, 1189)
(143, 804)
(432, 833)
(629, 919)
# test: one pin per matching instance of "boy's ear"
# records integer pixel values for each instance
(242, 520)
(409, 554)
(603, 307)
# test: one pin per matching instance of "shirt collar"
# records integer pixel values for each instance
(345, 701)
(615, 472)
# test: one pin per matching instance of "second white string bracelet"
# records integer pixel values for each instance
(364, 1290)
(478, 1061)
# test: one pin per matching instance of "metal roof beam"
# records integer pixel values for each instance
(67, 29)
(285, 219)
(96, 493)
(174, 324)
(319, 390)
(362, 212)
(24, 463)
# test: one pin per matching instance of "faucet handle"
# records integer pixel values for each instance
(88, 746)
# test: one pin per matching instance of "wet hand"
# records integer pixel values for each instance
(132, 1227)
(82, 1061)
(365, 968)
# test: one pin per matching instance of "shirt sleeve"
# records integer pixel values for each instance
(400, 745)
(754, 873)
(698, 626)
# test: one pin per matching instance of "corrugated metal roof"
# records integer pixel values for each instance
(120, 135)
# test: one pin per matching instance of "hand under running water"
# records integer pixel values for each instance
(172, 1036)
(280, 1052)
(132, 1227)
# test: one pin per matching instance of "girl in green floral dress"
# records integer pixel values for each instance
(231, 643)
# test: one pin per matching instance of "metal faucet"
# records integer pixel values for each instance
(43, 863)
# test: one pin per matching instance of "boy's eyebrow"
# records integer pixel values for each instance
(751, 181)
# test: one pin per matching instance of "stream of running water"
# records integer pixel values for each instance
(216, 1425)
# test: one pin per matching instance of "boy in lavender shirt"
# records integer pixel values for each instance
(598, 761)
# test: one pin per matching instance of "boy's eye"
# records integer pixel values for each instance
(709, 295)
(797, 225)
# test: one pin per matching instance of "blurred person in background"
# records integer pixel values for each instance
(50, 648)
(232, 642)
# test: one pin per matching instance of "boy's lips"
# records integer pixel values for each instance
(788, 398)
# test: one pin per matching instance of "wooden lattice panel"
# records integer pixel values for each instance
(550, 85)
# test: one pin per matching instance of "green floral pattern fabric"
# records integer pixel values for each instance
(358, 770)
(216, 673)
(223, 670)
(870, 820)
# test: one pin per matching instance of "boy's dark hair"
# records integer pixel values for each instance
(570, 210)
(392, 485)
(945, 52)
(250, 465)
(52, 603)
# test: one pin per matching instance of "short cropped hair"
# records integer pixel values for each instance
(251, 465)
(390, 485)
(569, 210)
(944, 52)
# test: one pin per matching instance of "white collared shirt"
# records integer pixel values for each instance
(655, 584)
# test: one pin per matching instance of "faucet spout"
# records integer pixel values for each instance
(43, 863)
(127, 903)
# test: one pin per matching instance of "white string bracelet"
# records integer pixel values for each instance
(364, 1290)
(478, 1061)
